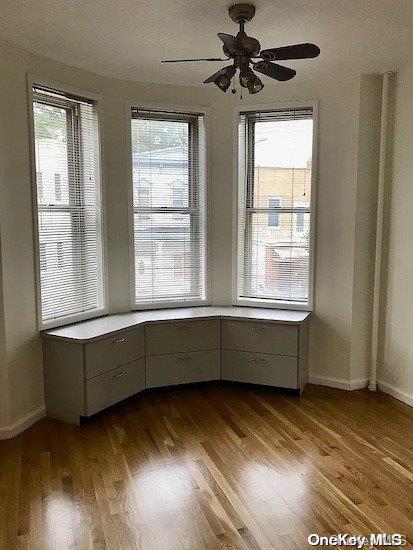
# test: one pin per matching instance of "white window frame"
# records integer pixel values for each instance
(32, 81)
(239, 205)
(172, 108)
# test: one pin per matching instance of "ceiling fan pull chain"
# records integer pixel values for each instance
(234, 88)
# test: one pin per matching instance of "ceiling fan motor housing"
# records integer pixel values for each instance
(241, 12)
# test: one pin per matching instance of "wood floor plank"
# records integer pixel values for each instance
(212, 467)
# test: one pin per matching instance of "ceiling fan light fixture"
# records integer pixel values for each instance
(222, 78)
(255, 85)
(246, 77)
(224, 81)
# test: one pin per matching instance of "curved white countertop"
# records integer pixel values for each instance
(100, 327)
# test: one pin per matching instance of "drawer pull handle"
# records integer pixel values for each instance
(184, 328)
(258, 360)
(119, 375)
(261, 329)
(184, 358)
(120, 341)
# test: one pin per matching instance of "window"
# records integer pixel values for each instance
(58, 187)
(144, 193)
(168, 152)
(178, 195)
(299, 222)
(274, 253)
(274, 217)
(69, 236)
(60, 255)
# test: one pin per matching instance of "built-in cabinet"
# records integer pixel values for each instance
(92, 365)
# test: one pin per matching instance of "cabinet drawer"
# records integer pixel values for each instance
(114, 351)
(259, 368)
(182, 368)
(113, 386)
(162, 338)
(259, 337)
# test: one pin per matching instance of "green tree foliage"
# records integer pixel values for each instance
(49, 121)
(149, 135)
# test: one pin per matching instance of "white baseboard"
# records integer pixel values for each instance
(340, 383)
(358, 383)
(7, 432)
(395, 392)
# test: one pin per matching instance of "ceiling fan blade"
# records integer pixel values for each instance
(202, 59)
(231, 43)
(274, 71)
(297, 51)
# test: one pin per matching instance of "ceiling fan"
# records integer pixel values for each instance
(243, 50)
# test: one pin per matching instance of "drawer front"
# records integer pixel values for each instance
(258, 368)
(259, 337)
(182, 368)
(162, 338)
(111, 387)
(114, 351)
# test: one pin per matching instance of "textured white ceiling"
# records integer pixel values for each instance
(128, 38)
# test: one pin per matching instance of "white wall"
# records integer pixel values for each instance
(396, 366)
(331, 329)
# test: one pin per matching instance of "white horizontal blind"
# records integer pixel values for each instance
(168, 164)
(275, 156)
(69, 225)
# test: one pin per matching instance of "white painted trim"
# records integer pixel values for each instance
(33, 80)
(358, 383)
(129, 181)
(272, 304)
(7, 432)
(171, 107)
(396, 392)
(374, 355)
(309, 306)
(339, 383)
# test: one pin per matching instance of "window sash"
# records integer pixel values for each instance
(195, 210)
(246, 208)
(76, 289)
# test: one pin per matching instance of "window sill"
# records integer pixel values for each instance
(273, 304)
(169, 304)
(70, 319)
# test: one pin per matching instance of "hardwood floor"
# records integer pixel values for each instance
(212, 467)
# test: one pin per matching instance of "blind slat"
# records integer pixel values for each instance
(168, 160)
(68, 205)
